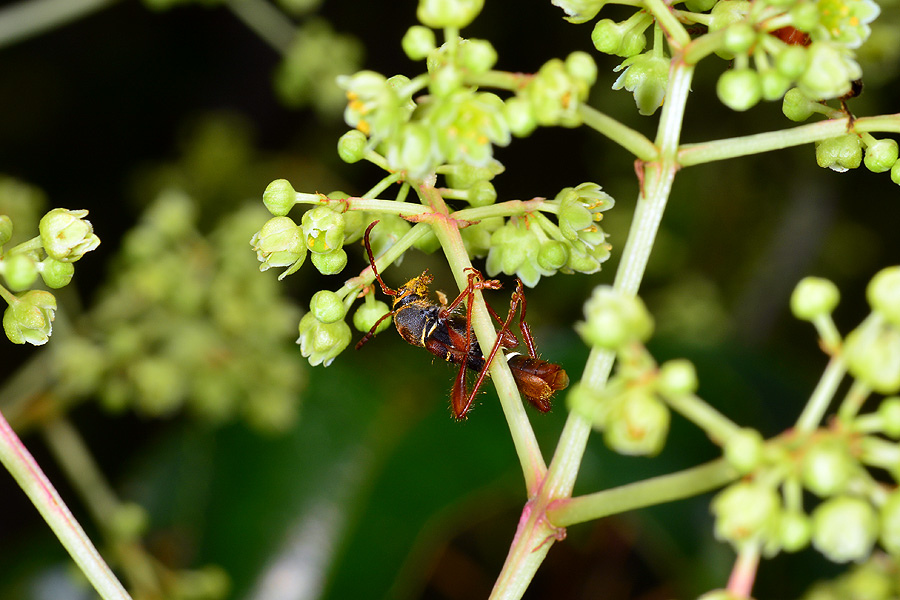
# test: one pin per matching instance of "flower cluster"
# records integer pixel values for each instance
(631, 410)
(856, 511)
(455, 124)
(64, 236)
(532, 246)
(184, 324)
(805, 44)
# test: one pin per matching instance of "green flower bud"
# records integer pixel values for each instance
(883, 294)
(678, 377)
(844, 528)
(464, 176)
(321, 342)
(797, 107)
(881, 155)
(895, 173)
(621, 39)
(438, 14)
(509, 248)
(829, 72)
(827, 467)
(873, 356)
(445, 80)
(744, 450)
(747, 511)
(839, 153)
(646, 76)
(699, 5)
(279, 197)
(805, 17)
(417, 42)
(739, 37)
(390, 229)
(774, 84)
(791, 62)
(581, 65)
(890, 523)
(889, 412)
(327, 306)
(30, 318)
(739, 89)
(412, 150)
(554, 95)
(814, 297)
(519, 116)
(368, 314)
(352, 146)
(482, 193)
(614, 320)
(355, 223)
(553, 255)
(160, 385)
(727, 12)
(795, 530)
(428, 243)
(477, 237)
(638, 426)
(323, 229)
(579, 11)
(584, 401)
(66, 235)
(80, 365)
(279, 244)
(19, 270)
(477, 56)
(6, 229)
(330, 263)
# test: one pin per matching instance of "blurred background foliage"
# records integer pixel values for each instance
(173, 372)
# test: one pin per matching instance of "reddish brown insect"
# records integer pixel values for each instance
(446, 332)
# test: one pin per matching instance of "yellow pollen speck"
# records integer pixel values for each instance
(854, 21)
(482, 139)
(363, 126)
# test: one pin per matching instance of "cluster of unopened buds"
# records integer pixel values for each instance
(64, 236)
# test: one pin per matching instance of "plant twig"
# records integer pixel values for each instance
(19, 462)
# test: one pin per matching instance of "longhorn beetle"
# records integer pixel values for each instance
(445, 332)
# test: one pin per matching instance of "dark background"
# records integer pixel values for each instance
(385, 494)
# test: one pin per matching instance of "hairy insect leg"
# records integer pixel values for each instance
(503, 340)
(523, 326)
(476, 281)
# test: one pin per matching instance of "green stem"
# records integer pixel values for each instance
(8, 296)
(33, 17)
(524, 441)
(716, 425)
(704, 152)
(266, 21)
(854, 400)
(881, 123)
(535, 533)
(380, 206)
(675, 31)
(19, 462)
(664, 488)
(821, 397)
(630, 139)
(75, 459)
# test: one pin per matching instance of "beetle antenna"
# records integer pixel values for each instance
(388, 291)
